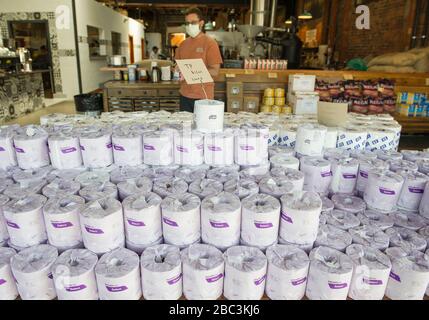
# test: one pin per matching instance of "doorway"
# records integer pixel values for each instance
(131, 47)
(143, 49)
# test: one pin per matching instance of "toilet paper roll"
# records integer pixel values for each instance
(158, 148)
(102, 225)
(406, 239)
(118, 275)
(8, 290)
(263, 168)
(203, 270)
(278, 186)
(409, 276)
(342, 219)
(245, 273)
(251, 148)
(412, 191)
(286, 273)
(7, 150)
(191, 173)
(400, 165)
(392, 126)
(233, 167)
(92, 177)
(189, 148)
(127, 146)
(286, 151)
(300, 217)
(222, 174)
(142, 214)
(61, 187)
(336, 154)
(250, 174)
(125, 174)
(317, 174)
(74, 275)
(128, 188)
(218, 149)
(31, 147)
(24, 219)
(381, 139)
(242, 188)
(99, 191)
(285, 162)
(287, 136)
(260, 221)
(4, 183)
(388, 155)
(365, 166)
(209, 115)
(376, 219)
(166, 187)
(344, 176)
(61, 217)
(31, 269)
(370, 236)
(414, 155)
(161, 272)
(333, 237)
(221, 220)
(363, 155)
(409, 220)
(352, 138)
(327, 205)
(331, 138)
(32, 175)
(269, 133)
(206, 187)
(347, 203)
(370, 273)
(156, 172)
(64, 150)
(424, 204)
(423, 166)
(96, 147)
(383, 190)
(139, 248)
(310, 139)
(181, 219)
(4, 235)
(330, 275)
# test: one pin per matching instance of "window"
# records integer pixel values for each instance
(116, 43)
(96, 44)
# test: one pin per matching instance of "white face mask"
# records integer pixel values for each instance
(193, 30)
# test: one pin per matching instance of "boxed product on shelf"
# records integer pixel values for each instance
(304, 102)
(251, 104)
(301, 83)
(234, 89)
(234, 104)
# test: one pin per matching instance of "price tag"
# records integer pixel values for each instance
(249, 71)
(348, 77)
(194, 71)
(272, 75)
(427, 81)
(230, 75)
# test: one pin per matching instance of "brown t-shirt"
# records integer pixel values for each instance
(201, 47)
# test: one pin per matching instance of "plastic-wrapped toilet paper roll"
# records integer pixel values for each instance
(91, 177)
(342, 219)
(221, 220)
(391, 126)
(218, 149)
(363, 155)
(165, 187)
(279, 186)
(286, 273)
(181, 219)
(286, 151)
(331, 138)
(203, 270)
(409, 276)
(245, 273)
(4, 183)
(74, 275)
(64, 150)
(96, 147)
(251, 148)
(380, 139)
(424, 204)
(24, 219)
(189, 148)
(310, 140)
(285, 162)
(370, 274)
(305, 247)
(205, 187)
(241, 188)
(317, 173)
(423, 166)
(412, 191)
(61, 187)
(8, 290)
(7, 150)
(32, 175)
(141, 185)
(118, 275)
(158, 148)
(102, 225)
(127, 146)
(23, 190)
(406, 239)
(31, 147)
(344, 175)
(161, 272)
(424, 232)
(31, 269)
(402, 165)
(330, 275)
(99, 191)
(336, 154)
(233, 167)
(333, 237)
(414, 156)
(300, 217)
(209, 115)
(142, 214)
(190, 174)
(327, 205)
(61, 217)
(287, 136)
(352, 138)
(347, 203)
(222, 174)
(370, 236)
(250, 174)
(125, 173)
(376, 219)
(4, 235)
(409, 220)
(156, 172)
(365, 166)
(383, 190)
(388, 155)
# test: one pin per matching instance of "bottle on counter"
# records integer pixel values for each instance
(143, 75)
(132, 73)
(155, 73)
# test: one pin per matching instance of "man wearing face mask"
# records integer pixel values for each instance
(197, 46)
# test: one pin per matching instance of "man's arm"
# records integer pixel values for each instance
(214, 69)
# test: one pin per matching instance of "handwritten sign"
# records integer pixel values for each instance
(194, 71)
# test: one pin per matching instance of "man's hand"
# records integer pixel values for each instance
(214, 70)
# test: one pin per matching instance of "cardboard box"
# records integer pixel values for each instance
(234, 89)
(332, 114)
(301, 83)
(251, 104)
(234, 105)
(304, 102)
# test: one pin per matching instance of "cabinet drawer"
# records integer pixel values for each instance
(131, 93)
(168, 92)
(146, 105)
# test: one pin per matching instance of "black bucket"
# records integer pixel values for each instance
(89, 103)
